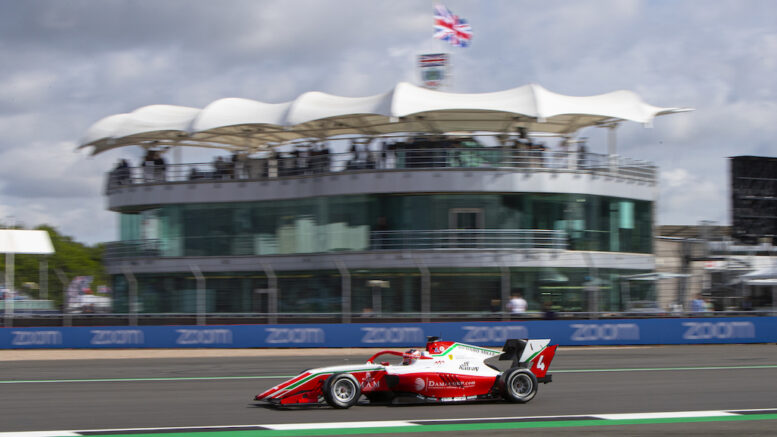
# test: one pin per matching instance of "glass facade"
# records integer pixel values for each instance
(337, 223)
(469, 290)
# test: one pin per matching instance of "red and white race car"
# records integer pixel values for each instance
(444, 371)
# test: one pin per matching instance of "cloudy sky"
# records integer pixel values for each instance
(67, 64)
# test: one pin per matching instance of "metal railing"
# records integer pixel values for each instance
(118, 319)
(302, 164)
(249, 244)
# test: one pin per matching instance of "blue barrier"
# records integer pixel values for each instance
(562, 332)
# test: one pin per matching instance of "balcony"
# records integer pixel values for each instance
(258, 244)
(301, 165)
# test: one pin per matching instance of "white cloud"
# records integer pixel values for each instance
(64, 68)
(688, 199)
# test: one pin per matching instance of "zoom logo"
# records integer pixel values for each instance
(709, 330)
(204, 336)
(36, 338)
(487, 334)
(295, 335)
(406, 335)
(604, 331)
(118, 336)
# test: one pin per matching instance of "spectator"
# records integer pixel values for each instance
(325, 159)
(698, 305)
(160, 168)
(582, 156)
(230, 166)
(220, 168)
(148, 166)
(562, 155)
(517, 304)
(708, 305)
(121, 174)
(550, 312)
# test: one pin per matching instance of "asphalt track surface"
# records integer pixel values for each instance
(205, 392)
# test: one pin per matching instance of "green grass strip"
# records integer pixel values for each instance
(457, 427)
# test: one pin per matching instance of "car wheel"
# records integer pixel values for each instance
(341, 390)
(518, 385)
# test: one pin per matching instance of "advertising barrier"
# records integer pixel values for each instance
(565, 333)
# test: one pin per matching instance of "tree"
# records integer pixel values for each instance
(70, 257)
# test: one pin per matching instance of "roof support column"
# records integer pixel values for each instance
(612, 147)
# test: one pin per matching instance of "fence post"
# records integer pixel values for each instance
(133, 297)
(9, 296)
(201, 303)
(592, 288)
(272, 293)
(43, 291)
(505, 291)
(66, 318)
(345, 276)
(426, 292)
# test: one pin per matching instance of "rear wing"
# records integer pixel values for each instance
(533, 354)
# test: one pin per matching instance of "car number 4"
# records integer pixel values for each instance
(540, 363)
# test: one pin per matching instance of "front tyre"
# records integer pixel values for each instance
(518, 384)
(341, 390)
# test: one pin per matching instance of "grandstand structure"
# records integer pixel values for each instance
(411, 202)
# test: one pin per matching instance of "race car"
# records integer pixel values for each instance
(444, 371)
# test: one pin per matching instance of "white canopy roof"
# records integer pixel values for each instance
(25, 241)
(243, 124)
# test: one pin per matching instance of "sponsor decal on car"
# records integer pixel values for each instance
(449, 381)
(465, 366)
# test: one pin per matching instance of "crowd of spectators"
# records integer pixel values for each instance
(380, 153)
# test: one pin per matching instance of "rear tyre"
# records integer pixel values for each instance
(341, 390)
(518, 385)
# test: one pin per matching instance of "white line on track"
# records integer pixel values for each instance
(665, 415)
(339, 425)
(40, 434)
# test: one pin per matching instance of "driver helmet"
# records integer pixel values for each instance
(410, 357)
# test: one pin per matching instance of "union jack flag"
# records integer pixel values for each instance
(451, 28)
